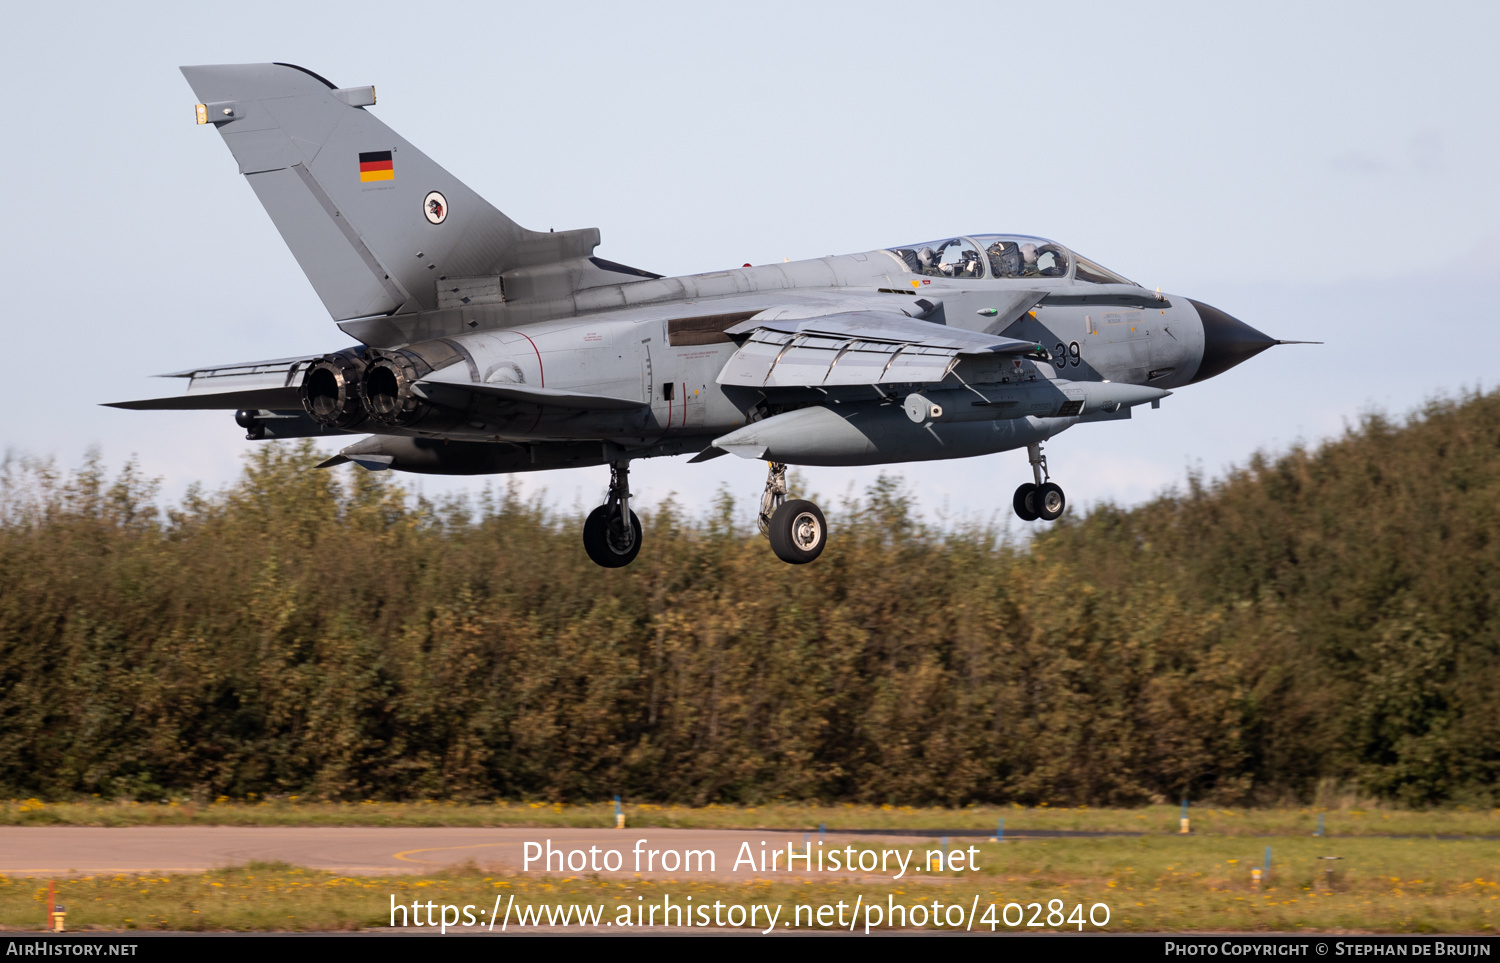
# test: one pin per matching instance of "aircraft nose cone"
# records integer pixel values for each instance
(1226, 341)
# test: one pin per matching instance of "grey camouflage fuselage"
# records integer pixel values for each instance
(486, 347)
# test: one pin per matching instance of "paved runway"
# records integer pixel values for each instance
(70, 850)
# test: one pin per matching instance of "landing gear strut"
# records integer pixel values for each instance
(1041, 498)
(612, 533)
(796, 528)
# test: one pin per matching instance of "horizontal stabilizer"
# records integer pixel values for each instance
(272, 385)
(272, 399)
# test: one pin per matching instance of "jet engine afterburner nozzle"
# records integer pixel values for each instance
(330, 391)
(387, 390)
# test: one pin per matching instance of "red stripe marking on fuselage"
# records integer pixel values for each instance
(539, 370)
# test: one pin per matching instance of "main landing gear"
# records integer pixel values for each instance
(796, 528)
(612, 533)
(1041, 499)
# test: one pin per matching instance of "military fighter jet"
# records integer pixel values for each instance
(484, 347)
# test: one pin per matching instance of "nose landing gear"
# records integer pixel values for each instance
(796, 528)
(1040, 499)
(612, 533)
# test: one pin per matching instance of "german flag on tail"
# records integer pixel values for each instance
(376, 165)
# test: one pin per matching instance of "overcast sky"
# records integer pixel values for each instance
(1320, 171)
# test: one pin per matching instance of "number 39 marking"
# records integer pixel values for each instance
(1061, 355)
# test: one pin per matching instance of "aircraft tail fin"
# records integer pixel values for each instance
(374, 223)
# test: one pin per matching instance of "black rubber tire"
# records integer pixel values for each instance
(1024, 502)
(603, 549)
(798, 532)
(1049, 502)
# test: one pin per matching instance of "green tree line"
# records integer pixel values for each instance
(1324, 614)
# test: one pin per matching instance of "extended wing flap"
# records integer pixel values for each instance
(859, 363)
(854, 348)
(752, 363)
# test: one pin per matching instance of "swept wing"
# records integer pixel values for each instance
(856, 348)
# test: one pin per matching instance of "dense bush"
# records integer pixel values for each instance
(1323, 614)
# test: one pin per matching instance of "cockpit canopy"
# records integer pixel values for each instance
(1002, 256)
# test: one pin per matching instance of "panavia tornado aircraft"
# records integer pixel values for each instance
(484, 347)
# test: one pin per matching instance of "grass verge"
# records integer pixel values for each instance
(1342, 821)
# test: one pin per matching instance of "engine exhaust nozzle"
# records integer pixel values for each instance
(330, 392)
